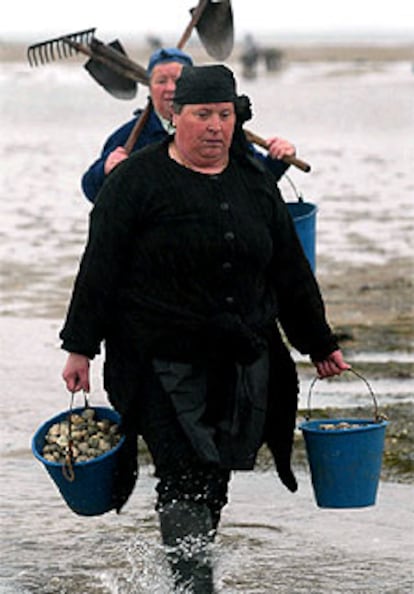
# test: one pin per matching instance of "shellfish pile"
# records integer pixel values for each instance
(338, 426)
(89, 438)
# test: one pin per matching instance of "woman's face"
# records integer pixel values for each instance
(162, 87)
(204, 132)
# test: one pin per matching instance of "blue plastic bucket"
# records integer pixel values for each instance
(90, 493)
(345, 462)
(304, 218)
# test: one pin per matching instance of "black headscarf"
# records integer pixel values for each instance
(215, 84)
(205, 84)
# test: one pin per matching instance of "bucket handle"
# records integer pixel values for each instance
(377, 416)
(297, 193)
(67, 468)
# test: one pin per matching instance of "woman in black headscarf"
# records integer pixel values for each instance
(191, 266)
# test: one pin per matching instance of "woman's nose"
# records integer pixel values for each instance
(170, 84)
(214, 122)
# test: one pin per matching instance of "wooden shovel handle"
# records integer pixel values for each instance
(195, 17)
(254, 138)
(137, 129)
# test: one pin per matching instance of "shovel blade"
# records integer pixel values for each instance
(117, 85)
(215, 29)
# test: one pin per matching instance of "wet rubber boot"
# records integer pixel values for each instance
(186, 531)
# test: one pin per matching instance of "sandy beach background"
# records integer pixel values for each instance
(304, 50)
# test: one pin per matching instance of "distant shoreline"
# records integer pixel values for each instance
(302, 51)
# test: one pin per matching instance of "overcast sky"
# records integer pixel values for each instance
(34, 18)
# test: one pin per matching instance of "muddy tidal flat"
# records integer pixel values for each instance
(349, 111)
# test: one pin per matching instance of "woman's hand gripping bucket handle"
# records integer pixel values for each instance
(378, 417)
(67, 468)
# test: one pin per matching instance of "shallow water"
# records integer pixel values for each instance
(269, 541)
(354, 124)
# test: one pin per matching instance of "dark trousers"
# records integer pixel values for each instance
(181, 474)
(191, 494)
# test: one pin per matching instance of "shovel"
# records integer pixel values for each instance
(215, 28)
(115, 83)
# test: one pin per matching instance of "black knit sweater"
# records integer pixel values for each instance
(182, 265)
(191, 267)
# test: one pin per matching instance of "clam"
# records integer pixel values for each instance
(89, 438)
(338, 426)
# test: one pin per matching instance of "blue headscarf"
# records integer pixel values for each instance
(170, 54)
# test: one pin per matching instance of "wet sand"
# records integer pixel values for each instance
(305, 51)
(372, 305)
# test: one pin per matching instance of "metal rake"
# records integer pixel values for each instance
(59, 47)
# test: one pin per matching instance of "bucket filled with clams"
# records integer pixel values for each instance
(79, 449)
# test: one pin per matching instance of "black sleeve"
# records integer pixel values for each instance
(111, 225)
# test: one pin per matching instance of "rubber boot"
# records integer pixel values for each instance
(186, 531)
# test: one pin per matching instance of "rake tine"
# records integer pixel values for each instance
(31, 58)
(41, 54)
(37, 54)
(59, 50)
(49, 52)
(45, 51)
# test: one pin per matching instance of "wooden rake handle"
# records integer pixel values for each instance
(254, 138)
(106, 55)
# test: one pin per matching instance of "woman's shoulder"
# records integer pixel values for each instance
(153, 153)
(143, 167)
